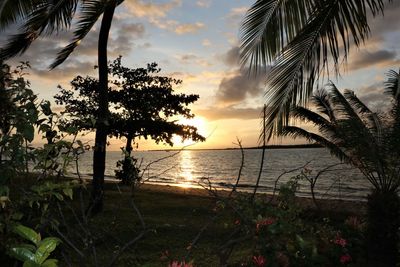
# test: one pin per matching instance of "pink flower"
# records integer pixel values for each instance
(180, 264)
(265, 222)
(345, 258)
(259, 261)
(175, 264)
(340, 241)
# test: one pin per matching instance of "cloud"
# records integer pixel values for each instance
(231, 58)
(213, 114)
(238, 86)
(373, 96)
(193, 59)
(204, 3)
(67, 72)
(237, 13)
(367, 59)
(126, 34)
(188, 28)
(386, 24)
(176, 27)
(140, 8)
(206, 42)
(44, 51)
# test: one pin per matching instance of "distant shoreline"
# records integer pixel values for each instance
(237, 148)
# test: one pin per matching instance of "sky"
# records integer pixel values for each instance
(197, 41)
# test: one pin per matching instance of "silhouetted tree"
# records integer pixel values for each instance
(143, 104)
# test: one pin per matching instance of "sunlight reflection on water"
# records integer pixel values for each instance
(186, 168)
(189, 168)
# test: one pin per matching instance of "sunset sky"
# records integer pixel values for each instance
(197, 41)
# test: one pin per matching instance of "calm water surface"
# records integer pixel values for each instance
(194, 168)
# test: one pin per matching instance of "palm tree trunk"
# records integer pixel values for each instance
(382, 229)
(99, 154)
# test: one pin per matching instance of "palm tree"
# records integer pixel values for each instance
(301, 39)
(369, 141)
(45, 17)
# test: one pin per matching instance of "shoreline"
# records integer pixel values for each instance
(330, 205)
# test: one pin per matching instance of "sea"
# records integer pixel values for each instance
(221, 169)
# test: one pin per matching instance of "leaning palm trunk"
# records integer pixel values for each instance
(370, 142)
(99, 154)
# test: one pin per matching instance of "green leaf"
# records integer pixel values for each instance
(30, 264)
(45, 206)
(50, 263)
(58, 196)
(28, 246)
(68, 192)
(46, 246)
(27, 233)
(22, 253)
(28, 132)
(17, 216)
(301, 241)
(4, 190)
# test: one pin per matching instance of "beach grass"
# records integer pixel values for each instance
(173, 217)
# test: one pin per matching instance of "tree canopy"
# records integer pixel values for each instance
(143, 104)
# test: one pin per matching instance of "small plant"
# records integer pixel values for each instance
(37, 252)
(128, 171)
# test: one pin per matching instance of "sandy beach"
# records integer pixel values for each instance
(346, 206)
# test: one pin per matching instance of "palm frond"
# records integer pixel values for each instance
(17, 44)
(53, 16)
(39, 17)
(330, 27)
(306, 115)
(268, 26)
(12, 11)
(392, 85)
(91, 10)
(392, 88)
(370, 119)
(321, 100)
(333, 148)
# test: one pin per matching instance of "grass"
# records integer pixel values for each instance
(173, 220)
(172, 217)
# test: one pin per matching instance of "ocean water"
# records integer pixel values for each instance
(199, 168)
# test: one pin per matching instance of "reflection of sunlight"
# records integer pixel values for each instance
(186, 168)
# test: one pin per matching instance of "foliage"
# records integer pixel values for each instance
(301, 39)
(44, 17)
(35, 255)
(284, 236)
(369, 141)
(41, 18)
(33, 203)
(17, 118)
(128, 171)
(143, 104)
(355, 134)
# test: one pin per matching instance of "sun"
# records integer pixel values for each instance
(198, 122)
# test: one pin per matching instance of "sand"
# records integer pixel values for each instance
(345, 206)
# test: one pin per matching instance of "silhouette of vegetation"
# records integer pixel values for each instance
(44, 17)
(143, 105)
(369, 141)
(301, 40)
